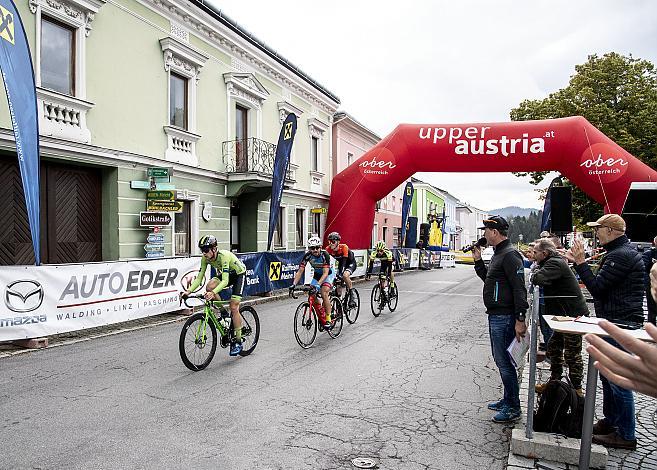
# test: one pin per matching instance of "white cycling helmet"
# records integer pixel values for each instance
(314, 241)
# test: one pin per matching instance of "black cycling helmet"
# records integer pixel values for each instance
(207, 242)
(334, 236)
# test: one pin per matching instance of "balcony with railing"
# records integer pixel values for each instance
(250, 165)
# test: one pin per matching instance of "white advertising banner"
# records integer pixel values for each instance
(361, 262)
(415, 258)
(46, 300)
(447, 260)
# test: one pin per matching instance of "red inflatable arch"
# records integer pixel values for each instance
(571, 146)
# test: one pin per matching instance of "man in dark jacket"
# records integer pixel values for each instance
(650, 254)
(505, 298)
(617, 291)
(563, 297)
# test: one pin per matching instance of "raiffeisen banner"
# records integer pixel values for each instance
(18, 76)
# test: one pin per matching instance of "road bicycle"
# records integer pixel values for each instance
(340, 292)
(384, 293)
(307, 315)
(198, 338)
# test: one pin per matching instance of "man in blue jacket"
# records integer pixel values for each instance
(617, 291)
(505, 298)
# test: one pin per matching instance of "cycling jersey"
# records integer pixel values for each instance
(224, 264)
(344, 256)
(386, 261)
(318, 264)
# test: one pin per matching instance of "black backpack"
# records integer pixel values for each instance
(560, 410)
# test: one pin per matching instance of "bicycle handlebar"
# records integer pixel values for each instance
(302, 289)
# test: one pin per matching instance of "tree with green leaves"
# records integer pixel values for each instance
(615, 93)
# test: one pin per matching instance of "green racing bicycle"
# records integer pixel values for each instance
(198, 338)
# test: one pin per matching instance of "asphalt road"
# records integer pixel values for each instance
(408, 389)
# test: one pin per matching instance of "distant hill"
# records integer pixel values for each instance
(512, 211)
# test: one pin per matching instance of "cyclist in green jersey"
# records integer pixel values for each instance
(382, 252)
(226, 270)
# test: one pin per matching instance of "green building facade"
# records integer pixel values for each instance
(126, 85)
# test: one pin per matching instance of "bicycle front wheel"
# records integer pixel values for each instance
(305, 325)
(376, 301)
(393, 298)
(250, 330)
(336, 318)
(351, 313)
(198, 342)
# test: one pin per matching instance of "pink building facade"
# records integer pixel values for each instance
(351, 140)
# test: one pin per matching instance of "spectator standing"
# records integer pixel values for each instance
(617, 291)
(564, 297)
(505, 298)
(649, 255)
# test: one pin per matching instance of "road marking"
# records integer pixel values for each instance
(439, 293)
(444, 282)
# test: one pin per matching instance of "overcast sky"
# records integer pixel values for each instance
(446, 62)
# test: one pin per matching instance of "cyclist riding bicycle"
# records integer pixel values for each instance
(226, 270)
(381, 252)
(346, 262)
(323, 274)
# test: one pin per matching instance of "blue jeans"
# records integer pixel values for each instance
(618, 404)
(502, 330)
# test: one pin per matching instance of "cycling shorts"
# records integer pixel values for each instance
(327, 282)
(386, 267)
(351, 267)
(236, 282)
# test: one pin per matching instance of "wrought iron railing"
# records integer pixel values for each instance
(249, 156)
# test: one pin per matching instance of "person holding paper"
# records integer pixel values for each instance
(617, 290)
(505, 298)
(563, 297)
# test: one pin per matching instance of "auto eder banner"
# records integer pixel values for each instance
(46, 300)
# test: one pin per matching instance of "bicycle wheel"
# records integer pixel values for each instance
(393, 298)
(197, 345)
(336, 318)
(351, 313)
(250, 330)
(305, 325)
(376, 301)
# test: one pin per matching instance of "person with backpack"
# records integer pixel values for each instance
(563, 297)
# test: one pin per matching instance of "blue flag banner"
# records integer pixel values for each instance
(546, 221)
(18, 75)
(281, 161)
(406, 208)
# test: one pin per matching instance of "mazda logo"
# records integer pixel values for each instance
(23, 296)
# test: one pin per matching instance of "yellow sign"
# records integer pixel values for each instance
(164, 206)
(6, 25)
(318, 210)
(288, 131)
(275, 270)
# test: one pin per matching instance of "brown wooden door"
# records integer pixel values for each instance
(73, 205)
(15, 238)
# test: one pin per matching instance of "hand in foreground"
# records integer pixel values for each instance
(638, 372)
(521, 329)
(476, 253)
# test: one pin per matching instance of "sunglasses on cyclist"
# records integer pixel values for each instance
(315, 248)
(206, 249)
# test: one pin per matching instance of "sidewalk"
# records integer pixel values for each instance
(644, 457)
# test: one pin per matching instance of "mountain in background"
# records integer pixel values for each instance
(512, 211)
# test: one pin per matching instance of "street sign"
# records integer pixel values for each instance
(164, 206)
(318, 210)
(154, 247)
(155, 238)
(147, 185)
(154, 219)
(155, 254)
(159, 172)
(161, 195)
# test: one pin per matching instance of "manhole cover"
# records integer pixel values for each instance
(364, 462)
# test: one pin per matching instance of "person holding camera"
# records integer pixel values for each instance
(505, 298)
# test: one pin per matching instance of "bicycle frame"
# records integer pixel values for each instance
(210, 315)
